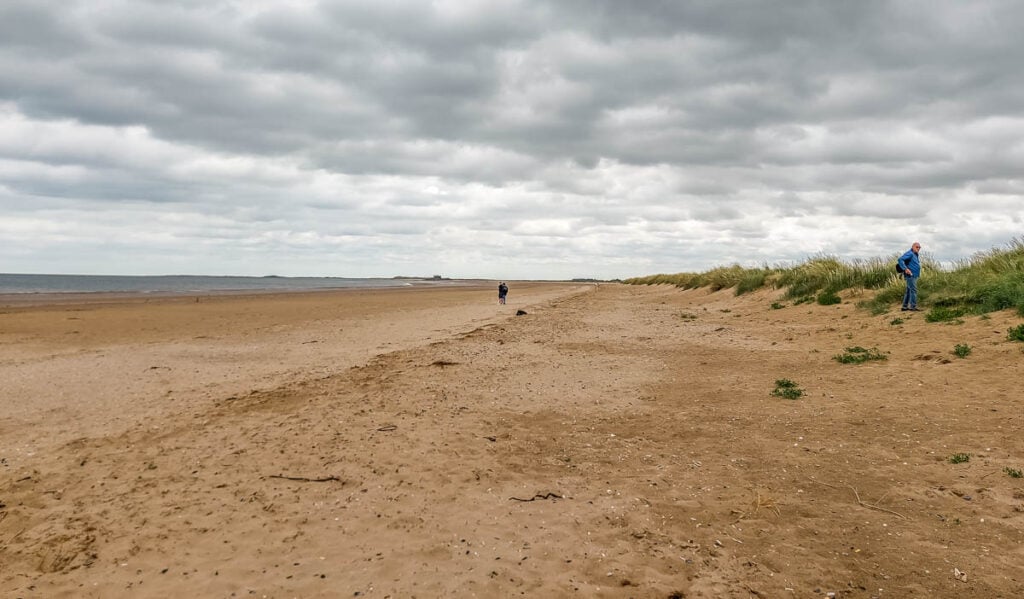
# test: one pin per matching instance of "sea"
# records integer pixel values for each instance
(187, 284)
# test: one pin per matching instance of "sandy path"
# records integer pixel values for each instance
(99, 368)
(616, 443)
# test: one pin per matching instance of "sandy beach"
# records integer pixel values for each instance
(614, 441)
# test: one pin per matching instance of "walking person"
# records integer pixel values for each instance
(502, 292)
(910, 264)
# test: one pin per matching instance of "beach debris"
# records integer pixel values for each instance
(387, 428)
(520, 312)
(870, 506)
(491, 439)
(760, 501)
(959, 575)
(538, 496)
(443, 363)
(303, 479)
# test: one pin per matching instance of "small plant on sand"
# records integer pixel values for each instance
(896, 321)
(959, 458)
(1013, 472)
(1016, 333)
(803, 300)
(787, 389)
(859, 355)
(829, 298)
(687, 316)
(962, 350)
(777, 306)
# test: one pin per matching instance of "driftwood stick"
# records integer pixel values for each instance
(303, 479)
(859, 502)
(539, 496)
(874, 507)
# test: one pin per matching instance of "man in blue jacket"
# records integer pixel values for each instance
(910, 263)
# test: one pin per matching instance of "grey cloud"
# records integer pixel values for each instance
(30, 28)
(569, 130)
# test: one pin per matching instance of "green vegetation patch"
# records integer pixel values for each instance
(859, 355)
(896, 321)
(787, 389)
(962, 350)
(777, 306)
(945, 314)
(959, 458)
(1013, 472)
(752, 280)
(828, 298)
(986, 282)
(1016, 333)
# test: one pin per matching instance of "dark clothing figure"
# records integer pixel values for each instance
(502, 292)
(910, 264)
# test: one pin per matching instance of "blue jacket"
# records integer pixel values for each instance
(912, 261)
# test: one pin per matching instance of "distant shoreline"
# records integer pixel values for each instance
(42, 284)
(94, 298)
(30, 299)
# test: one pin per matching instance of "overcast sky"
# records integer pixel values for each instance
(503, 139)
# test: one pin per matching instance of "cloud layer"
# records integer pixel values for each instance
(502, 139)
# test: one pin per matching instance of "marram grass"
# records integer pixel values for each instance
(986, 282)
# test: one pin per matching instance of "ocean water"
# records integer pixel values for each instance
(184, 284)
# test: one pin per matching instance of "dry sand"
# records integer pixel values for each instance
(614, 441)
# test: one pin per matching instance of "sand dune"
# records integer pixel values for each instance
(614, 441)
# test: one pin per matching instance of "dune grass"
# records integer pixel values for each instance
(986, 282)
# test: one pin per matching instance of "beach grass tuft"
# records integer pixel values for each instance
(828, 298)
(859, 355)
(945, 314)
(1015, 333)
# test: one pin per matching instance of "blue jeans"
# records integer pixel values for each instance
(910, 295)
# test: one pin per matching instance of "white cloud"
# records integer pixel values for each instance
(502, 139)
